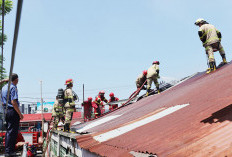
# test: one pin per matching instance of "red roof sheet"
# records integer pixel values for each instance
(202, 128)
(47, 117)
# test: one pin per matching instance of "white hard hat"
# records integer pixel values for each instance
(200, 20)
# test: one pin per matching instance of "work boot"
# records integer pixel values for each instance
(66, 127)
(148, 91)
(224, 58)
(224, 61)
(158, 90)
(72, 132)
(212, 67)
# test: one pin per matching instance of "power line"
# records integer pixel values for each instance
(28, 102)
(89, 90)
(34, 98)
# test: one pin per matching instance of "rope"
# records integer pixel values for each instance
(17, 23)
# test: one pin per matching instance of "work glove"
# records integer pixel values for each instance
(75, 97)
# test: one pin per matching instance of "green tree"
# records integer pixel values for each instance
(8, 7)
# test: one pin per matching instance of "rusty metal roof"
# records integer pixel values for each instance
(190, 119)
(47, 117)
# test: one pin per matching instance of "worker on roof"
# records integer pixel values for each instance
(87, 109)
(112, 99)
(99, 100)
(57, 113)
(153, 75)
(211, 39)
(69, 106)
(95, 109)
(140, 81)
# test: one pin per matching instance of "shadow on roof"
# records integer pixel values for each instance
(220, 116)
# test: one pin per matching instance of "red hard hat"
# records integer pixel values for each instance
(89, 98)
(102, 92)
(145, 72)
(111, 94)
(156, 62)
(68, 81)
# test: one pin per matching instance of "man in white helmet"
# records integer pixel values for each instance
(211, 39)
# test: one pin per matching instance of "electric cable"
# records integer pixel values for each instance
(17, 23)
(3, 12)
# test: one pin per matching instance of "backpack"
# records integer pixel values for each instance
(60, 96)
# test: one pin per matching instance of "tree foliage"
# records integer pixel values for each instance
(8, 7)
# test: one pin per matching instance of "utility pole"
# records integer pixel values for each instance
(42, 109)
(84, 100)
(83, 92)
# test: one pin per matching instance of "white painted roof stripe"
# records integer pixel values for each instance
(122, 130)
(98, 122)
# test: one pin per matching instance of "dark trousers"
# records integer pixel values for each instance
(99, 110)
(12, 128)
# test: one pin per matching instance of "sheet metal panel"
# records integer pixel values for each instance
(201, 129)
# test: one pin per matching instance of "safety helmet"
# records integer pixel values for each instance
(199, 21)
(68, 81)
(145, 72)
(102, 92)
(111, 94)
(156, 62)
(89, 98)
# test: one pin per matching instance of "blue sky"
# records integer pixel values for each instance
(107, 44)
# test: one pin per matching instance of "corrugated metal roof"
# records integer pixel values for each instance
(190, 119)
(47, 117)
